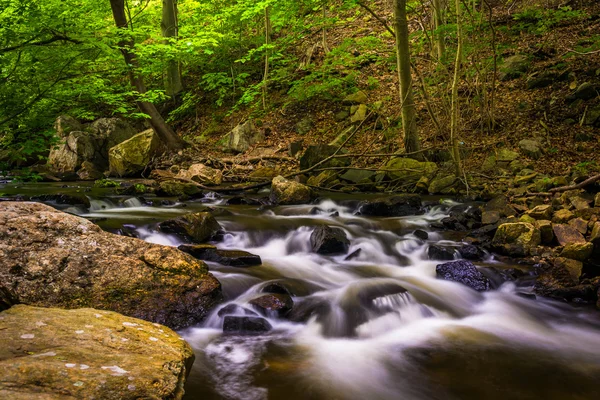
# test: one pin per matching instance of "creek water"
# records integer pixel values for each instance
(377, 326)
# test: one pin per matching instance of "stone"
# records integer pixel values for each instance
(407, 171)
(65, 124)
(68, 155)
(397, 206)
(70, 199)
(273, 304)
(88, 172)
(507, 156)
(470, 252)
(445, 185)
(546, 232)
(562, 216)
(317, 153)
(579, 203)
(359, 97)
(202, 174)
(516, 239)
(284, 191)
(490, 217)
(566, 234)
(245, 325)
(525, 179)
(341, 115)
(585, 91)
(517, 166)
(326, 179)
(500, 205)
(110, 132)
(541, 212)
(232, 258)
(421, 234)
(54, 259)
(294, 148)
(464, 272)
(436, 252)
(531, 148)
(173, 188)
(580, 224)
(131, 157)
(195, 227)
(577, 251)
(360, 115)
(513, 67)
(527, 218)
(89, 354)
(573, 267)
(327, 241)
(234, 309)
(587, 213)
(243, 136)
(597, 200)
(489, 164)
(304, 126)
(265, 173)
(541, 81)
(357, 175)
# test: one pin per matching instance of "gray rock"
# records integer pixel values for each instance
(531, 148)
(284, 191)
(196, 227)
(514, 67)
(243, 136)
(464, 272)
(315, 154)
(327, 240)
(304, 126)
(131, 157)
(359, 97)
(357, 175)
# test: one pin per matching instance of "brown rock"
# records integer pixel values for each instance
(562, 216)
(50, 258)
(566, 234)
(588, 213)
(49, 353)
(490, 217)
(196, 227)
(579, 203)
(579, 224)
(541, 212)
(202, 174)
(278, 304)
(284, 191)
(597, 200)
(500, 204)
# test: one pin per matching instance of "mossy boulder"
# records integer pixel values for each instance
(131, 157)
(50, 353)
(196, 227)
(578, 251)
(514, 67)
(53, 259)
(173, 188)
(408, 171)
(445, 185)
(317, 153)
(516, 239)
(284, 191)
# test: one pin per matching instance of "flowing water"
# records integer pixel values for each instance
(377, 326)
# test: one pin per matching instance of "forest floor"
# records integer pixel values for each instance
(564, 48)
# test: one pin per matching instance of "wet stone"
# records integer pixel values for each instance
(245, 325)
(273, 304)
(232, 258)
(327, 240)
(234, 309)
(463, 272)
(421, 234)
(436, 252)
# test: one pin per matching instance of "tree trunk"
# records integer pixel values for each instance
(455, 112)
(265, 88)
(440, 46)
(162, 129)
(409, 123)
(169, 30)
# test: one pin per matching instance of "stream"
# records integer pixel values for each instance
(379, 325)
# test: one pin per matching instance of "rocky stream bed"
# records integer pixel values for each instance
(340, 296)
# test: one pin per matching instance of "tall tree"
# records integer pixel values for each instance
(455, 112)
(440, 46)
(169, 27)
(162, 129)
(409, 123)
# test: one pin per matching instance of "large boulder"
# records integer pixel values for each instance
(397, 206)
(464, 272)
(202, 174)
(49, 353)
(78, 144)
(317, 153)
(408, 171)
(243, 136)
(567, 234)
(196, 227)
(516, 239)
(131, 157)
(327, 240)
(53, 259)
(284, 191)
(445, 185)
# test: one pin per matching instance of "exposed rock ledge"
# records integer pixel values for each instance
(52, 259)
(52, 354)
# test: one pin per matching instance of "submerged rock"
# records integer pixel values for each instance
(464, 272)
(50, 258)
(232, 258)
(49, 353)
(196, 227)
(278, 304)
(245, 325)
(327, 240)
